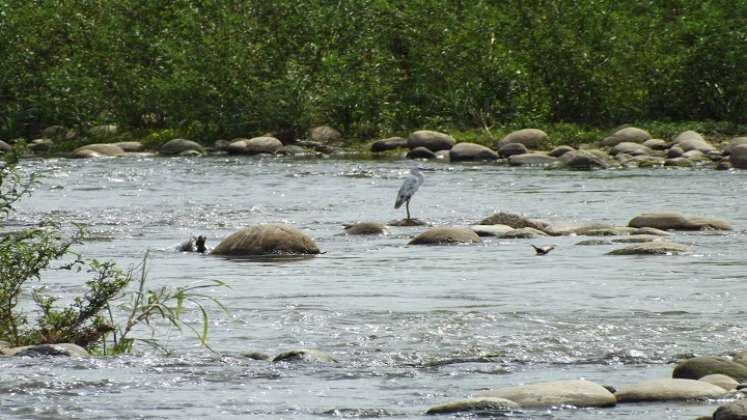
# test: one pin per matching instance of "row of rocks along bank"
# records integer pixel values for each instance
(627, 147)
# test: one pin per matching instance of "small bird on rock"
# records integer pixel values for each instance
(543, 250)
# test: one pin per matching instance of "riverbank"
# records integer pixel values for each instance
(568, 146)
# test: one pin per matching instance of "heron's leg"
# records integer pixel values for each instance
(407, 207)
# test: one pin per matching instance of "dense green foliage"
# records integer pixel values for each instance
(213, 68)
(104, 318)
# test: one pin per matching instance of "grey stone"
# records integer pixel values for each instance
(738, 156)
(103, 131)
(445, 236)
(630, 148)
(582, 160)
(629, 134)
(691, 140)
(60, 349)
(421, 153)
(736, 410)
(97, 150)
(579, 393)
(698, 367)
(675, 152)
(471, 151)
(40, 145)
(388, 144)
(532, 159)
(269, 239)
(560, 151)
(532, 138)
(651, 248)
(510, 149)
(523, 233)
(304, 355)
(365, 228)
(431, 140)
(5, 147)
(129, 146)
(656, 144)
(678, 221)
(513, 220)
(668, 390)
(481, 405)
(178, 146)
(491, 230)
(719, 379)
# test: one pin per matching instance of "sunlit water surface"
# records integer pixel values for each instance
(411, 326)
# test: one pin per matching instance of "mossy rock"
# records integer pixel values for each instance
(446, 236)
(269, 239)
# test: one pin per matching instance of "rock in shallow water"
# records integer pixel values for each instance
(668, 390)
(61, 349)
(431, 140)
(483, 406)
(651, 248)
(471, 151)
(698, 367)
(579, 393)
(445, 236)
(304, 355)
(677, 221)
(365, 228)
(733, 411)
(269, 239)
(724, 381)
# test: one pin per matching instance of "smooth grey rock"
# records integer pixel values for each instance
(420, 153)
(129, 146)
(513, 220)
(365, 228)
(560, 151)
(510, 149)
(324, 134)
(649, 231)
(60, 349)
(471, 152)
(668, 390)
(532, 138)
(675, 152)
(304, 355)
(578, 228)
(651, 248)
(630, 148)
(582, 160)
(738, 156)
(491, 230)
(269, 239)
(445, 236)
(56, 132)
(257, 145)
(178, 146)
(679, 162)
(629, 134)
(523, 233)
(255, 355)
(532, 159)
(578, 393)
(718, 379)
(390, 143)
(691, 140)
(695, 155)
(594, 242)
(291, 150)
(97, 150)
(667, 220)
(736, 410)
(656, 144)
(698, 367)
(431, 140)
(634, 239)
(482, 405)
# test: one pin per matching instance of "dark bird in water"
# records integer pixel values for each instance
(543, 250)
(407, 190)
(193, 244)
(200, 244)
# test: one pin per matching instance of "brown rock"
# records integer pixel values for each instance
(629, 134)
(471, 151)
(445, 236)
(431, 140)
(365, 228)
(269, 239)
(668, 390)
(578, 393)
(532, 138)
(388, 144)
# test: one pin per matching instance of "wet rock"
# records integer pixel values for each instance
(304, 355)
(61, 349)
(431, 140)
(40, 145)
(738, 156)
(129, 146)
(482, 405)
(255, 355)
(741, 357)
(513, 220)
(718, 379)
(580, 228)
(491, 230)
(407, 222)
(578, 393)
(365, 228)
(532, 159)
(560, 151)
(594, 242)
(291, 150)
(443, 155)
(5, 147)
(532, 138)
(97, 150)
(324, 134)
(651, 248)
(510, 149)
(634, 239)
(254, 146)
(694, 155)
(691, 140)
(445, 236)
(523, 233)
(471, 151)
(675, 152)
(582, 160)
(698, 367)
(628, 134)
(649, 231)
(736, 410)
(678, 221)
(630, 148)
(103, 131)
(420, 153)
(179, 146)
(269, 239)
(736, 141)
(191, 153)
(656, 144)
(668, 390)
(390, 143)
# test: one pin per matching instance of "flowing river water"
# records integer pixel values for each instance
(410, 326)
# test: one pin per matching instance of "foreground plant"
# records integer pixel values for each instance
(105, 318)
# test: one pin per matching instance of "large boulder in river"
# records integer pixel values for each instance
(510, 149)
(738, 156)
(698, 367)
(431, 140)
(736, 410)
(651, 248)
(678, 221)
(628, 134)
(532, 138)
(582, 160)
(421, 152)
(254, 146)
(390, 143)
(324, 134)
(691, 140)
(480, 405)
(718, 379)
(578, 393)
(513, 220)
(365, 228)
(471, 151)
(42, 350)
(445, 236)
(269, 239)
(180, 146)
(97, 150)
(668, 390)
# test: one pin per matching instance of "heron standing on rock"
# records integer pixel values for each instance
(408, 189)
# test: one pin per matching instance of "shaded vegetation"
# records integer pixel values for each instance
(211, 69)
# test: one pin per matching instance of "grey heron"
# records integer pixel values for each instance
(412, 182)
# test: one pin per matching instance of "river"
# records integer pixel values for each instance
(398, 318)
